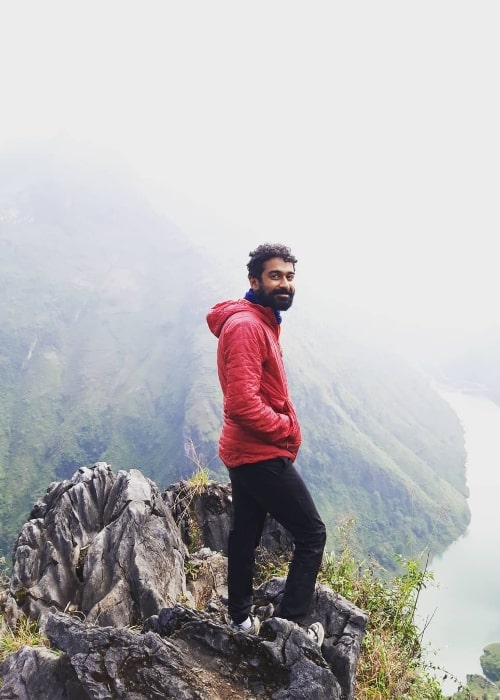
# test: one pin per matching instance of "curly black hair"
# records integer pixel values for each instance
(265, 252)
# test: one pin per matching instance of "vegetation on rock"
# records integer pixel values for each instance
(490, 662)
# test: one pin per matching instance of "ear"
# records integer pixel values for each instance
(254, 282)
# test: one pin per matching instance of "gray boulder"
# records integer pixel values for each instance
(102, 544)
(35, 673)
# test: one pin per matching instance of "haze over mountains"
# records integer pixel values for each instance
(105, 355)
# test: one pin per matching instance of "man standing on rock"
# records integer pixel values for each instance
(260, 439)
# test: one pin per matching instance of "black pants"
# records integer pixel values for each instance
(274, 487)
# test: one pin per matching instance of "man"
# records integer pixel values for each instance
(260, 439)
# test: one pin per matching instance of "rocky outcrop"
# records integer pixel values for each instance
(103, 544)
(103, 565)
(183, 653)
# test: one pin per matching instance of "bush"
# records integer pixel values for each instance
(392, 665)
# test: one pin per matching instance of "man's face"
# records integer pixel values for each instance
(276, 287)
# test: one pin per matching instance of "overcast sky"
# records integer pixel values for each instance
(364, 134)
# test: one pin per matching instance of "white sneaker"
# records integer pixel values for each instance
(316, 633)
(253, 629)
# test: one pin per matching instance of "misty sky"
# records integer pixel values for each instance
(364, 134)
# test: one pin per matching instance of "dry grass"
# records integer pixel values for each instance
(25, 634)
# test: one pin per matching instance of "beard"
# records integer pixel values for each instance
(275, 299)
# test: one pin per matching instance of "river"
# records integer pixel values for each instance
(465, 602)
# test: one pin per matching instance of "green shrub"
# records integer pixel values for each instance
(392, 665)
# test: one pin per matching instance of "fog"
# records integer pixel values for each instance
(365, 135)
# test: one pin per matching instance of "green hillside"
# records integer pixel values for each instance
(105, 355)
(382, 448)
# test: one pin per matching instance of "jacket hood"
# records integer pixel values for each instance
(218, 314)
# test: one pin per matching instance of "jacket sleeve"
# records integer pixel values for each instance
(244, 350)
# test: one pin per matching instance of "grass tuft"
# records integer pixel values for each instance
(25, 634)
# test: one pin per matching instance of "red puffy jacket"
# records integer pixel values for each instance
(259, 418)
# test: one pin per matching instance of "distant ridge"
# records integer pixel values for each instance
(105, 355)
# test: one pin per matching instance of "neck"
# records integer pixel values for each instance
(254, 298)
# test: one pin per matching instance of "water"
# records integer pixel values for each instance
(465, 608)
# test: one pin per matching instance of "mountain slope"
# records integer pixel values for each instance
(105, 355)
